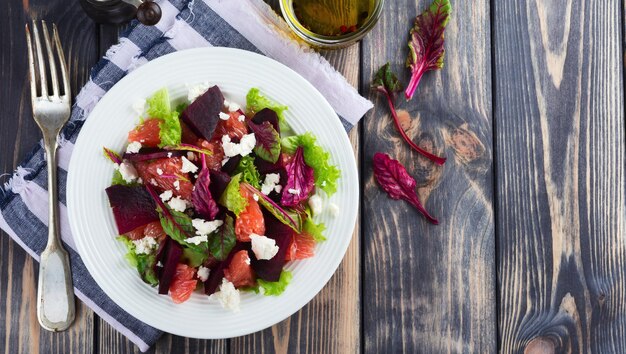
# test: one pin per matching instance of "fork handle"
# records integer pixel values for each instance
(55, 294)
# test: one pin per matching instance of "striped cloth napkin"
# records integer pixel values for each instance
(246, 24)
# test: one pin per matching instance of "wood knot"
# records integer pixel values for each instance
(404, 118)
(466, 145)
(540, 345)
(601, 298)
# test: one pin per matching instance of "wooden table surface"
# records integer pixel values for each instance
(530, 255)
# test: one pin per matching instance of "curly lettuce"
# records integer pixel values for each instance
(159, 106)
(326, 175)
(249, 172)
(143, 262)
(274, 288)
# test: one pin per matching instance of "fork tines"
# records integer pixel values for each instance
(37, 64)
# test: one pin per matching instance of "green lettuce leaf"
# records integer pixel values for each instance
(193, 257)
(315, 230)
(249, 172)
(231, 198)
(255, 102)
(159, 106)
(144, 263)
(326, 175)
(118, 179)
(277, 287)
(222, 241)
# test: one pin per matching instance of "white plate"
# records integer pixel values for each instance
(93, 226)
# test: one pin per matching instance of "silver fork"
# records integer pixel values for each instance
(55, 295)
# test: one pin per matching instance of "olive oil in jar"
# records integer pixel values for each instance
(333, 17)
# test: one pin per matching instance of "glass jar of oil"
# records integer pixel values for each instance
(331, 23)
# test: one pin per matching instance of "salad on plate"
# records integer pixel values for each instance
(213, 196)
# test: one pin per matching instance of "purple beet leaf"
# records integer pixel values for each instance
(300, 180)
(396, 181)
(267, 115)
(267, 141)
(132, 207)
(219, 181)
(146, 154)
(288, 217)
(202, 115)
(201, 196)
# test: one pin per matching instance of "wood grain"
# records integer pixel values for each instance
(426, 288)
(19, 329)
(561, 181)
(330, 323)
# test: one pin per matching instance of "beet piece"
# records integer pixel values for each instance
(174, 251)
(203, 114)
(267, 115)
(219, 181)
(270, 269)
(232, 164)
(153, 153)
(217, 273)
(160, 256)
(265, 167)
(132, 207)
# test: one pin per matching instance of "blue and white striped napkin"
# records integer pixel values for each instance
(246, 24)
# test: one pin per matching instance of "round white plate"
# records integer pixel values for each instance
(93, 226)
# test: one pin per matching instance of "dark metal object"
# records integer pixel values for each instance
(120, 11)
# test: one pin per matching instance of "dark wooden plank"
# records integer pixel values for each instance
(19, 329)
(561, 177)
(330, 323)
(430, 289)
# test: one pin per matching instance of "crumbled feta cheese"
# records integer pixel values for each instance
(165, 196)
(225, 161)
(323, 184)
(244, 148)
(139, 107)
(197, 90)
(153, 182)
(128, 172)
(263, 246)
(224, 116)
(233, 107)
(145, 245)
(133, 147)
(159, 264)
(178, 204)
(226, 103)
(294, 191)
(177, 185)
(139, 180)
(271, 183)
(169, 154)
(191, 156)
(204, 227)
(188, 166)
(196, 240)
(159, 171)
(241, 118)
(315, 203)
(255, 197)
(228, 296)
(203, 273)
(333, 209)
(247, 261)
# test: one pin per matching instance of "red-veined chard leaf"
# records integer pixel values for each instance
(396, 181)
(426, 40)
(222, 241)
(300, 180)
(267, 141)
(112, 155)
(289, 217)
(201, 197)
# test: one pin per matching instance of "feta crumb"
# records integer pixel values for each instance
(196, 240)
(333, 209)
(144, 245)
(224, 116)
(139, 107)
(247, 261)
(169, 154)
(159, 264)
(204, 227)
(133, 147)
(139, 180)
(203, 273)
(255, 197)
(191, 156)
(159, 171)
(233, 107)
(228, 296)
(244, 148)
(165, 196)
(271, 183)
(294, 191)
(241, 118)
(263, 246)
(128, 172)
(315, 203)
(177, 185)
(323, 184)
(153, 182)
(188, 166)
(225, 161)
(178, 204)
(226, 103)
(197, 90)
